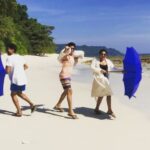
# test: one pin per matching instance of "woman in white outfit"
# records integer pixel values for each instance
(101, 86)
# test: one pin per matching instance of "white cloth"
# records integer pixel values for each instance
(96, 69)
(4, 58)
(101, 86)
(17, 75)
(77, 53)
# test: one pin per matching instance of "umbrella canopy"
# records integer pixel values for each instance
(132, 71)
(2, 76)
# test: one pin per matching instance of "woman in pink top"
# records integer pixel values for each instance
(67, 60)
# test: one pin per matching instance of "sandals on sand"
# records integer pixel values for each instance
(73, 116)
(58, 109)
(62, 110)
(18, 114)
(111, 114)
(33, 108)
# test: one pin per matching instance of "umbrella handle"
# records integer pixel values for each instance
(118, 71)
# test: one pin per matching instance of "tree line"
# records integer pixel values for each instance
(30, 36)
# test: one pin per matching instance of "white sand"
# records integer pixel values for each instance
(47, 129)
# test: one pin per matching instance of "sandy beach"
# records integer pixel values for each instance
(48, 129)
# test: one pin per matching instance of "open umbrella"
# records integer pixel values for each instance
(132, 71)
(2, 76)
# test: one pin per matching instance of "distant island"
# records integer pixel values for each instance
(91, 51)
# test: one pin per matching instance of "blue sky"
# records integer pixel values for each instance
(110, 23)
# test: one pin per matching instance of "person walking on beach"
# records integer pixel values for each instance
(101, 86)
(68, 60)
(15, 67)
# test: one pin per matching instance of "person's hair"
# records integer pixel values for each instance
(12, 46)
(71, 44)
(103, 50)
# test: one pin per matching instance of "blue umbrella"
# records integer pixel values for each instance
(132, 71)
(2, 76)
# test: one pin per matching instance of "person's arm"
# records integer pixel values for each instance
(78, 54)
(113, 68)
(67, 50)
(76, 59)
(64, 54)
(25, 66)
(8, 69)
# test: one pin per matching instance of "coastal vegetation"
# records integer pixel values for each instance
(30, 36)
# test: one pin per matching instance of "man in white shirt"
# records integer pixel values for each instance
(15, 67)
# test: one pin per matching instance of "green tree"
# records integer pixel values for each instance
(8, 8)
(30, 36)
(39, 36)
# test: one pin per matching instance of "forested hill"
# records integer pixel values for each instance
(16, 26)
(91, 51)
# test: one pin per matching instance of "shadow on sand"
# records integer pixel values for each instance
(41, 109)
(89, 112)
(6, 112)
